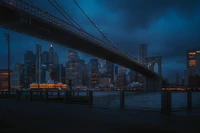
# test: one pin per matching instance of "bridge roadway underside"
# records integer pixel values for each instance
(19, 21)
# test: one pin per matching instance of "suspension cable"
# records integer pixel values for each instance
(93, 23)
(61, 13)
(68, 15)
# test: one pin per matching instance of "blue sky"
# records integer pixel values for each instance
(168, 27)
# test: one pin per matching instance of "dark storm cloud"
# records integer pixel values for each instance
(142, 13)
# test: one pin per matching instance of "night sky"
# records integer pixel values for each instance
(168, 27)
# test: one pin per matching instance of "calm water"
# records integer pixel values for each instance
(137, 100)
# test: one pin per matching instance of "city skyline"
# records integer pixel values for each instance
(173, 27)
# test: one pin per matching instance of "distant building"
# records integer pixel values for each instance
(17, 78)
(105, 81)
(73, 55)
(29, 68)
(51, 54)
(95, 71)
(116, 70)
(56, 59)
(177, 79)
(45, 57)
(121, 79)
(38, 63)
(4, 79)
(110, 70)
(142, 52)
(193, 67)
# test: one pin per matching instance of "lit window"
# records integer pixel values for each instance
(192, 63)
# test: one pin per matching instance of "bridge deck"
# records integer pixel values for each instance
(27, 19)
(53, 117)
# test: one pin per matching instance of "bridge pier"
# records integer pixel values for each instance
(152, 84)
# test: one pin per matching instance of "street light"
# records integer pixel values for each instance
(7, 36)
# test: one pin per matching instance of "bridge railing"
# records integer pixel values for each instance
(167, 100)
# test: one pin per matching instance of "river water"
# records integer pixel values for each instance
(150, 100)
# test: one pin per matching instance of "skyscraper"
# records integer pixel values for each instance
(51, 54)
(45, 57)
(110, 70)
(142, 52)
(95, 71)
(116, 70)
(29, 68)
(56, 59)
(17, 78)
(38, 63)
(193, 67)
(4, 79)
(72, 55)
(177, 79)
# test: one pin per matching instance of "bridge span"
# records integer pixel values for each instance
(26, 18)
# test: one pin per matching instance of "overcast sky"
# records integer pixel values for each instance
(168, 27)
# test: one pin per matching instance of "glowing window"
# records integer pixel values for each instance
(192, 54)
(192, 63)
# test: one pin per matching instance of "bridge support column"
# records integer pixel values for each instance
(152, 84)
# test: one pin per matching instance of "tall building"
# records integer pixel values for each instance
(116, 70)
(51, 54)
(73, 72)
(56, 59)
(45, 57)
(4, 79)
(29, 68)
(38, 63)
(110, 70)
(73, 68)
(142, 52)
(121, 79)
(193, 67)
(72, 55)
(95, 71)
(177, 79)
(17, 78)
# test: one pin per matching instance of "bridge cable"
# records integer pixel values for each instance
(93, 23)
(61, 13)
(68, 15)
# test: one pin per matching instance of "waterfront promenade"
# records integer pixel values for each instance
(31, 117)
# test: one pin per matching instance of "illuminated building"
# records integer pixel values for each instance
(45, 57)
(94, 71)
(38, 63)
(110, 70)
(193, 67)
(48, 86)
(73, 72)
(4, 79)
(73, 55)
(121, 79)
(142, 52)
(29, 68)
(105, 81)
(58, 74)
(17, 78)
(51, 54)
(56, 59)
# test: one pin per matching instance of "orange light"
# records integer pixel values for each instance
(11, 3)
